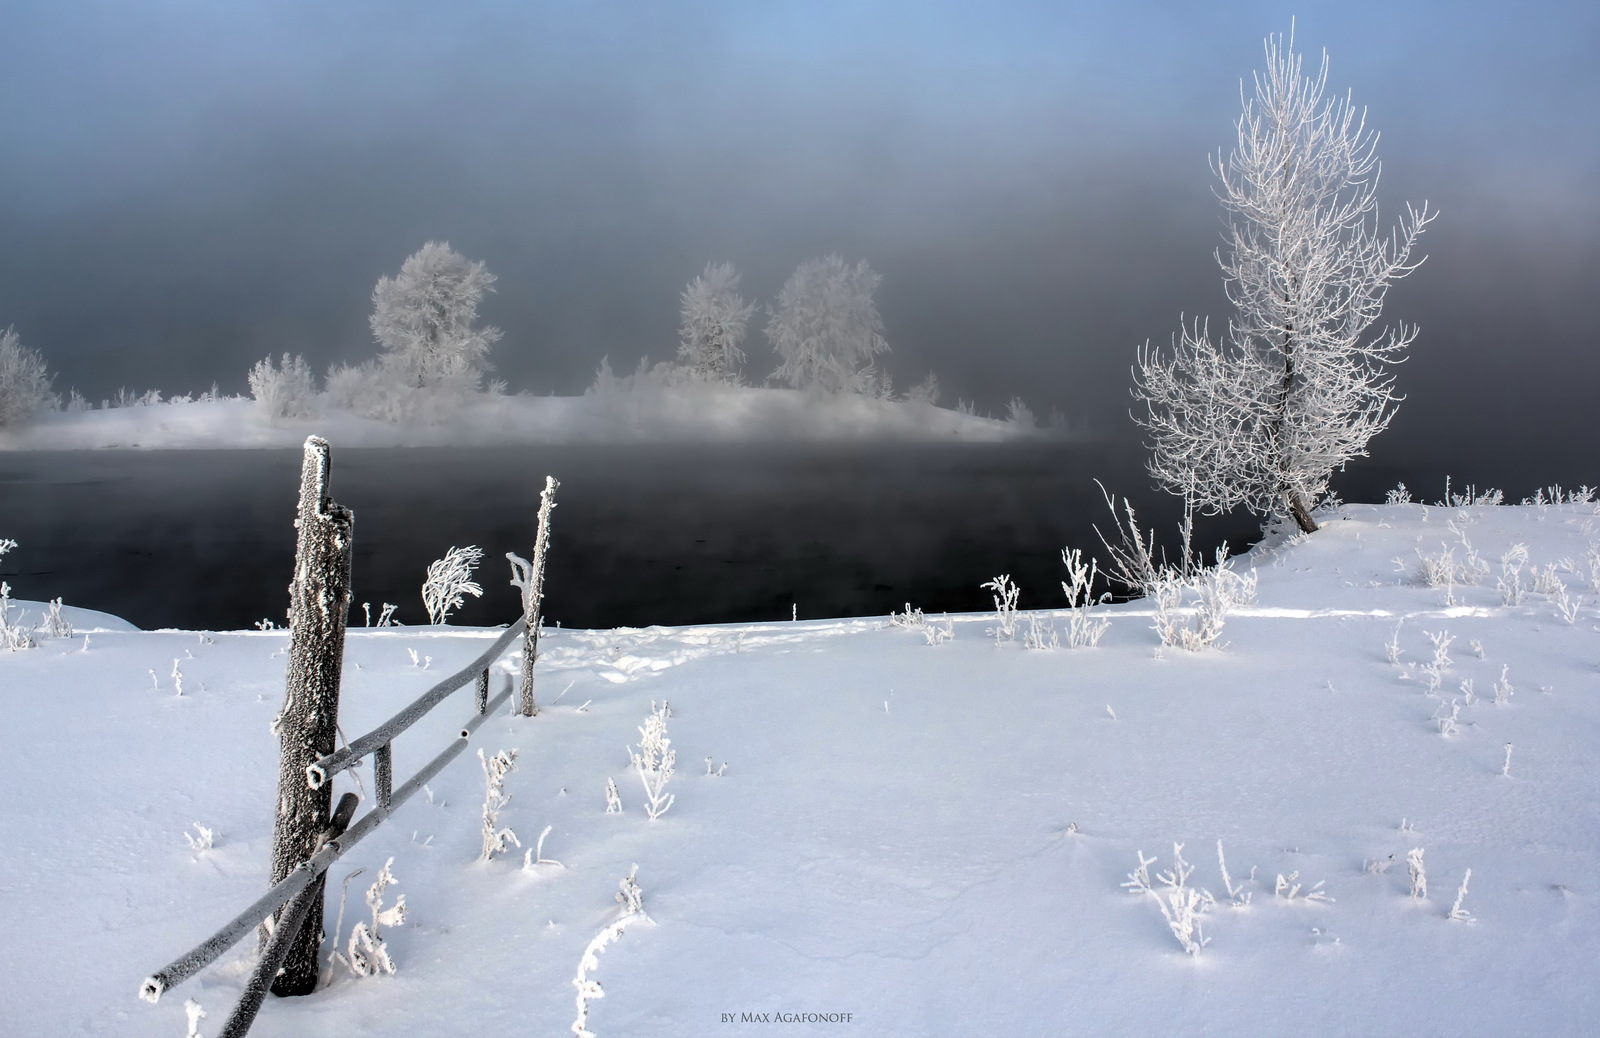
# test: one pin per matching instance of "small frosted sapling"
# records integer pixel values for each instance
(495, 798)
(448, 579)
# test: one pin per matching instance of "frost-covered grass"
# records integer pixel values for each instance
(932, 838)
(689, 412)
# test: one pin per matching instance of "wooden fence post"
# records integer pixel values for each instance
(530, 577)
(319, 599)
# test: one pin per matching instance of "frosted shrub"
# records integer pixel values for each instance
(910, 620)
(654, 761)
(1216, 590)
(1398, 496)
(1005, 607)
(1237, 895)
(448, 579)
(284, 390)
(1021, 415)
(495, 798)
(613, 798)
(13, 635)
(1083, 629)
(1181, 905)
(366, 954)
(55, 624)
(1040, 635)
(1509, 583)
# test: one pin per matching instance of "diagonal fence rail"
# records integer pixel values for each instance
(308, 839)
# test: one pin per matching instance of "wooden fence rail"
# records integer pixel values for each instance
(307, 838)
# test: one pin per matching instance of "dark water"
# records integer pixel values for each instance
(641, 535)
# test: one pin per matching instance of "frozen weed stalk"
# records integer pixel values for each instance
(448, 579)
(632, 901)
(495, 798)
(366, 954)
(1418, 872)
(1457, 913)
(654, 761)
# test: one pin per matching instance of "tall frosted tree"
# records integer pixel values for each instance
(24, 382)
(825, 327)
(423, 318)
(714, 323)
(1262, 416)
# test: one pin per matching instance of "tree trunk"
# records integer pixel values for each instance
(1301, 512)
(319, 599)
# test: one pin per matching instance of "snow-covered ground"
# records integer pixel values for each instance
(651, 415)
(928, 839)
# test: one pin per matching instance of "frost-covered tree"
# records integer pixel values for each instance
(1263, 416)
(714, 322)
(284, 389)
(24, 382)
(423, 318)
(825, 327)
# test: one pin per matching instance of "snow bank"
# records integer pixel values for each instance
(907, 839)
(687, 413)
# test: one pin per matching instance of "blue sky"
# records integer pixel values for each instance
(186, 185)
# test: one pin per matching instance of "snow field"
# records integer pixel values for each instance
(932, 839)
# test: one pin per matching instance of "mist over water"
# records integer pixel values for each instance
(641, 535)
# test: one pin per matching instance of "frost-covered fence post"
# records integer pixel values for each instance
(529, 576)
(319, 599)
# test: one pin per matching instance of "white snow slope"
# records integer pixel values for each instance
(931, 839)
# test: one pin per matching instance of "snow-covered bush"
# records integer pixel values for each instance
(924, 392)
(24, 382)
(285, 389)
(1021, 415)
(825, 327)
(1418, 872)
(495, 798)
(1215, 591)
(448, 579)
(714, 321)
